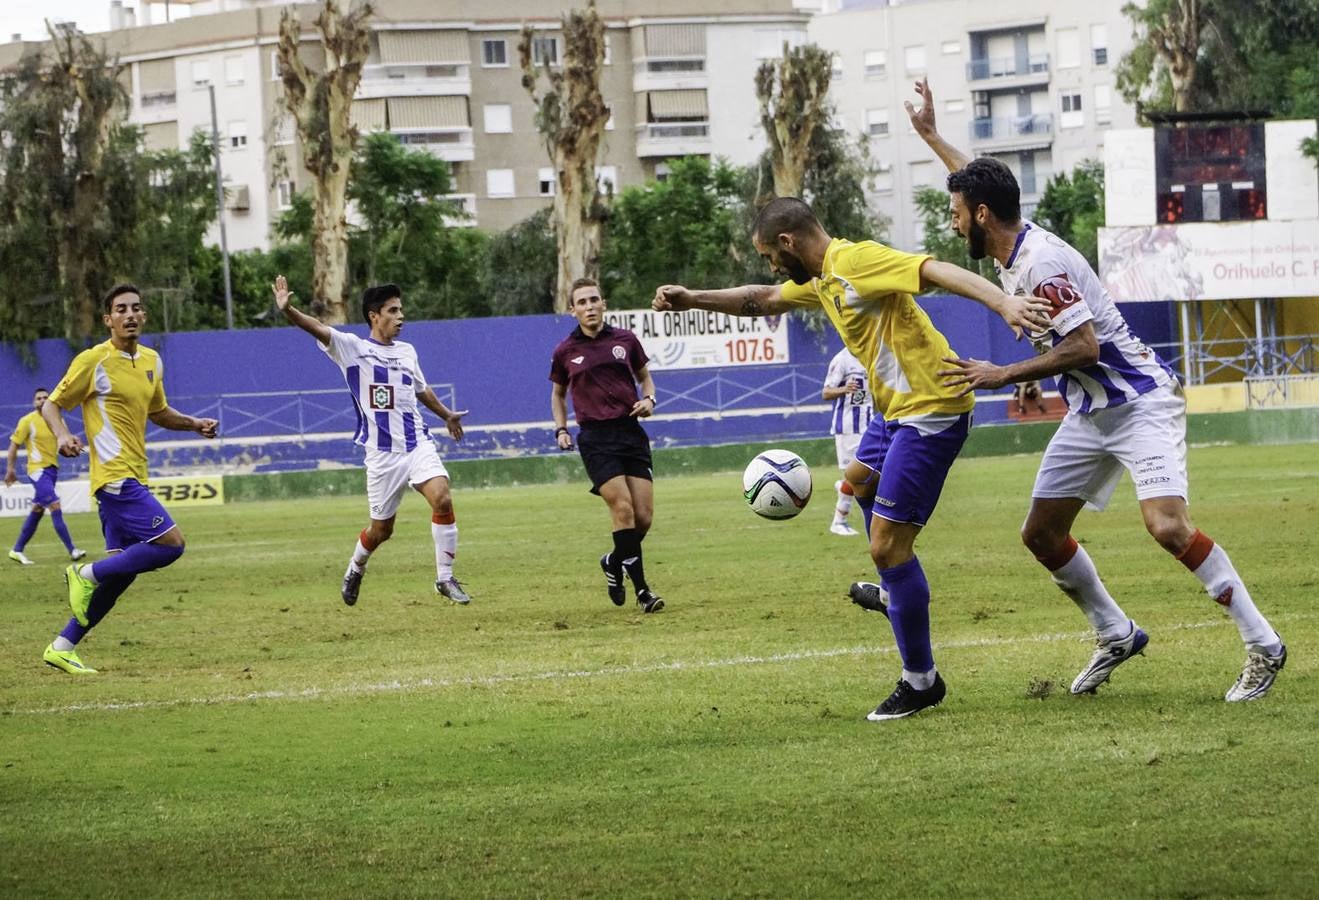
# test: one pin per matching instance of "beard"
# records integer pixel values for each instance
(975, 241)
(795, 268)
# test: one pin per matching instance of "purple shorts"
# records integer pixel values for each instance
(912, 466)
(133, 516)
(44, 486)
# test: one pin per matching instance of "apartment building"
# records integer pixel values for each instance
(678, 78)
(1029, 82)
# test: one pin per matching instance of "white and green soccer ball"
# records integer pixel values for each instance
(777, 484)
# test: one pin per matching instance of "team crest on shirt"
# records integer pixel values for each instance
(381, 396)
(577, 360)
(151, 375)
(620, 353)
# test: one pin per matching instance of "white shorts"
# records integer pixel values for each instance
(845, 445)
(388, 475)
(1146, 437)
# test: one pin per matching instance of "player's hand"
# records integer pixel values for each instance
(564, 440)
(455, 423)
(971, 374)
(282, 293)
(207, 428)
(1025, 313)
(671, 297)
(922, 120)
(853, 383)
(642, 408)
(69, 445)
(10, 477)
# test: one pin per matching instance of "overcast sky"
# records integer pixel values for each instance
(27, 17)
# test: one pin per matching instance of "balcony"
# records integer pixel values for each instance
(402, 81)
(672, 73)
(157, 106)
(1013, 132)
(673, 138)
(466, 204)
(1008, 71)
(451, 145)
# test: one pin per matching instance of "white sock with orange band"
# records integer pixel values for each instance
(1210, 563)
(1077, 577)
(445, 533)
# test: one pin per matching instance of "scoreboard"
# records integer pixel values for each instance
(1211, 173)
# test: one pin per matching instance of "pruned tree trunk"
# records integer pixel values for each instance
(571, 116)
(793, 93)
(1177, 40)
(321, 105)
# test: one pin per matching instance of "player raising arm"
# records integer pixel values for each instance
(1125, 411)
(904, 456)
(386, 383)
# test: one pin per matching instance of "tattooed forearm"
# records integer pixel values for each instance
(751, 308)
(754, 304)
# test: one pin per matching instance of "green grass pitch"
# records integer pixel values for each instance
(250, 736)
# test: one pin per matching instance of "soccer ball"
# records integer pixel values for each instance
(777, 484)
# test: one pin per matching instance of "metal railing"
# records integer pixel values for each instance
(662, 131)
(1007, 66)
(1034, 125)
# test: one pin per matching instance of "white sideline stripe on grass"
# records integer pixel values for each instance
(390, 687)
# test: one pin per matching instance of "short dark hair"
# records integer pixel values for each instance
(581, 283)
(783, 215)
(987, 180)
(373, 298)
(118, 290)
(41, 391)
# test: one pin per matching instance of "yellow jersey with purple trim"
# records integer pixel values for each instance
(866, 290)
(118, 391)
(34, 435)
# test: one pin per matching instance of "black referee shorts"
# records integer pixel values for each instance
(612, 448)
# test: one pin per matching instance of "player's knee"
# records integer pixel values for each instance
(641, 520)
(1172, 532)
(381, 531)
(1039, 540)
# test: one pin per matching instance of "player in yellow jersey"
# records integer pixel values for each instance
(899, 468)
(43, 470)
(119, 385)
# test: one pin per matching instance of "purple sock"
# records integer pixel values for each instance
(135, 560)
(29, 529)
(73, 632)
(104, 597)
(57, 520)
(909, 613)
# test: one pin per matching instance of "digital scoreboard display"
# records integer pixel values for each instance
(1210, 173)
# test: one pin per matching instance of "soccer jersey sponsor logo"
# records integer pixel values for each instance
(381, 396)
(577, 360)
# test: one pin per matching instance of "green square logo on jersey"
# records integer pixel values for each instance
(382, 396)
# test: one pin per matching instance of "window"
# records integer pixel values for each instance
(884, 178)
(545, 178)
(499, 183)
(922, 174)
(876, 63)
(607, 178)
(233, 70)
(1069, 48)
(1099, 44)
(836, 69)
(609, 52)
(609, 122)
(237, 135)
(914, 57)
(284, 194)
(494, 53)
(1072, 116)
(948, 48)
(498, 118)
(545, 50)
(662, 171)
(276, 73)
(201, 73)
(877, 122)
(1103, 104)
(954, 106)
(284, 130)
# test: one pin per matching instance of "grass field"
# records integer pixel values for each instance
(250, 736)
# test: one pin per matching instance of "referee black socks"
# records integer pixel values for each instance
(627, 550)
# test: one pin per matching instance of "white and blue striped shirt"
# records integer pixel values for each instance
(1046, 266)
(384, 380)
(852, 411)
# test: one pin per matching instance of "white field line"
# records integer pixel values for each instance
(421, 684)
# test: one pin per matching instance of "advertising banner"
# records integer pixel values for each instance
(75, 497)
(696, 339)
(189, 490)
(1210, 261)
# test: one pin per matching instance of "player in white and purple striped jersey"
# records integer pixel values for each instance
(853, 408)
(385, 381)
(1126, 412)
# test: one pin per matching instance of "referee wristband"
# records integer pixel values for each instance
(651, 398)
(559, 431)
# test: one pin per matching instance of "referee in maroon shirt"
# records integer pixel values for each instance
(600, 366)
